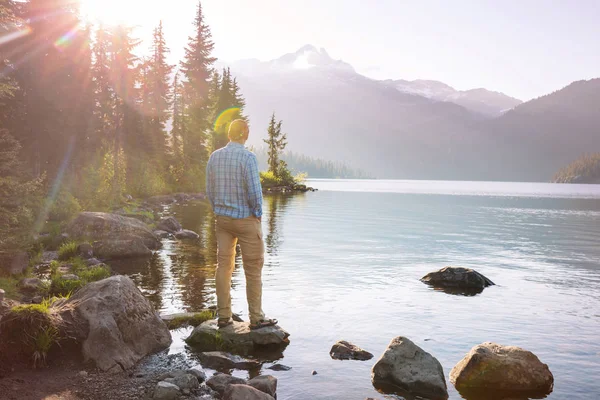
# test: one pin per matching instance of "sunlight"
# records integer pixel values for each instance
(111, 12)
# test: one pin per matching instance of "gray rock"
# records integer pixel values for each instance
(69, 277)
(2, 295)
(162, 234)
(220, 382)
(85, 250)
(14, 263)
(408, 367)
(219, 359)
(37, 300)
(184, 381)
(186, 234)
(83, 374)
(279, 367)
(92, 261)
(115, 323)
(343, 350)
(169, 224)
(166, 391)
(457, 277)
(265, 383)
(494, 367)
(30, 285)
(99, 226)
(49, 256)
(237, 337)
(114, 249)
(198, 372)
(244, 392)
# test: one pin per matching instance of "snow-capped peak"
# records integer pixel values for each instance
(307, 57)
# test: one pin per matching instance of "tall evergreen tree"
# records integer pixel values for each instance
(276, 141)
(197, 70)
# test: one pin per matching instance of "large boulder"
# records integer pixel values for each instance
(98, 226)
(222, 360)
(343, 350)
(495, 367)
(457, 278)
(14, 263)
(219, 382)
(114, 249)
(244, 392)
(115, 323)
(265, 383)
(169, 224)
(407, 367)
(237, 337)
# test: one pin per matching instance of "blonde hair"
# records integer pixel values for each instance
(238, 129)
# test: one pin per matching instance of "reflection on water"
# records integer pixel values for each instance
(345, 263)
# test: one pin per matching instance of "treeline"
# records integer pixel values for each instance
(313, 167)
(583, 170)
(84, 117)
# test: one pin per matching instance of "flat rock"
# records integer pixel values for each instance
(222, 360)
(186, 234)
(406, 366)
(265, 383)
(457, 277)
(244, 392)
(169, 224)
(184, 381)
(279, 367)
(92, 261)
(166, 391)
(237, 337)
(115, 324)
(220, 382)
(508, 368)
(343, 350)
(115, 249)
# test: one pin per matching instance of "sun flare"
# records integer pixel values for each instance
(111, 12)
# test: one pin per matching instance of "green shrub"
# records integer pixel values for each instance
(42, 342)
(67, 250)
(268, 179)
(65, 287)
(64, 207)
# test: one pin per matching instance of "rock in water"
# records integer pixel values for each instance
(113, 249)
(169, 224)
(495, 367)
(166, 391)
(343, 350)
(457, 277)
(279, 367)
(186, 234)
(265, 383)
(244, 392)
(219, 359)
(115, 323)
(99, 226)
(237, 337)
(406, 366)
(220, 382)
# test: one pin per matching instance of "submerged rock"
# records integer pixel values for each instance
(220, 382)
(222, 360)
(406, 366)
(115, 323)
(457, 277)
(343, 350)
(237, 337)
(186, 234)
(265, 383)
(508, 368)
(169, 224)
(244, 392)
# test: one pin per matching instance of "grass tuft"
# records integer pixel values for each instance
(67, 250)
(194, 320)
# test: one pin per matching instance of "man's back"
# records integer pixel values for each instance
(233, 182)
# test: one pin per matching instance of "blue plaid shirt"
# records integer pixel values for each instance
(233, 182)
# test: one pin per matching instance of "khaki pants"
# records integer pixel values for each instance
(248, 232)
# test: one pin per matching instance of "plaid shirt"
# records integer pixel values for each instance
(233, 182)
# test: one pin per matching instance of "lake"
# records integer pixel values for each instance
(345, 263)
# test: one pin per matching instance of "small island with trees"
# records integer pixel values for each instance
(585, 169)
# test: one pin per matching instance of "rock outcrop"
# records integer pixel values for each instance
(343, 350)
(406, 366)
(237, 337)
(115, 324)
(495, 367)
(98, 226)
(457, 278)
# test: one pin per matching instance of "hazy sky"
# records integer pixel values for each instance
(524, 48)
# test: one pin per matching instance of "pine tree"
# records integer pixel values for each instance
(276, 141)
(229, 106)
(197, 70)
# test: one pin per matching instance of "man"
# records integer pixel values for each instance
(235, 193)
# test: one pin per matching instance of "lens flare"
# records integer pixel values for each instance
(225, 118)
(9, 37)
(67, 39)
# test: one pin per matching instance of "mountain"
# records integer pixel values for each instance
(482, 101)
(329, 111)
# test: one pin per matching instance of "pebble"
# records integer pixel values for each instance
(83, 374)
(314, 372)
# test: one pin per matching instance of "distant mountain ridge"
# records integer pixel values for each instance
(331, 112)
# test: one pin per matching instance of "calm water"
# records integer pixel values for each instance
(345, 263)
